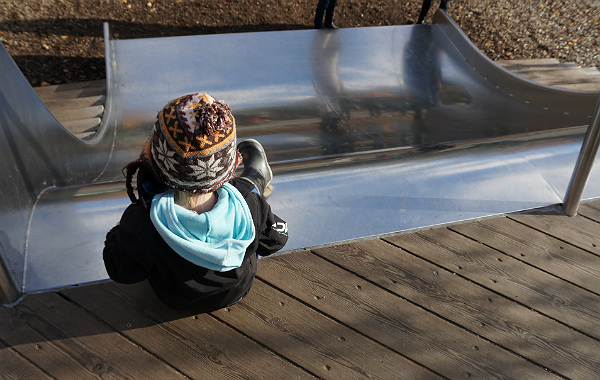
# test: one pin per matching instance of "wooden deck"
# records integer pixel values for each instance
(507, 297)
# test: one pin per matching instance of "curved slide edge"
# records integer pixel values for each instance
(38, 154)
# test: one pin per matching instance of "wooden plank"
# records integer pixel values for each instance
(541, 291)
(78, 106)
(477, 309)
(594, 203)
(561, 74)
(580, 232)
(536, 66)
(67, 343)
(538, 249)
(552, 73)
(86, 135)
(505, 275)
(71, 114)
(590, 211)
(591, 71)
(49, 98)
(529, 64)
(425, 338)
(71, 90)
(84, 129)
(575, 79)
(14, 367)
(99, 83)
(584, 86)
(97, 100)
(323, 346)
(199, 346)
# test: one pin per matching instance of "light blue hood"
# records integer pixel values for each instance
(216, 239)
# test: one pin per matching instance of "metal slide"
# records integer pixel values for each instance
(369, 131)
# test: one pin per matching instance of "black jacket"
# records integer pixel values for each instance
(134, 252)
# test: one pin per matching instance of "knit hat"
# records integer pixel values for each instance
(192, 146)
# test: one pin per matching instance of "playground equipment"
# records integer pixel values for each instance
(369, 131)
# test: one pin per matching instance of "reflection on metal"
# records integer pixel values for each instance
(369, 131)
(37, 154)
(583, 167)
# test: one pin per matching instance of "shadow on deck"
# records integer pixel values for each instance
(506, 297)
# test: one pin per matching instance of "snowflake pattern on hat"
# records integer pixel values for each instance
(164, 155)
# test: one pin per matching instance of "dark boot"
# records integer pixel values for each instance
(329, 15)
(256, 168)
(424, 9)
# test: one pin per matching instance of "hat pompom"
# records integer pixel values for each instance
(203, 114)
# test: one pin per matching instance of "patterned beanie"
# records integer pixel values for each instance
(192, 146)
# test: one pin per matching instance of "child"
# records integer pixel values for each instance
(195, 230)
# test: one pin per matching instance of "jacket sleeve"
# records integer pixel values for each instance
(120, 255)
(272, 231)
(273, 237)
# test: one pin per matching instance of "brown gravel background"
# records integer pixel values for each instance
(60, 41)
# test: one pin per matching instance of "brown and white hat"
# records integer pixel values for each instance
(192, 146)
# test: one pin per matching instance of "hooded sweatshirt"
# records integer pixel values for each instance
(216, 239)
(135, 250)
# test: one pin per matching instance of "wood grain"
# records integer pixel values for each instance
(15, 367)
(71, 90)
(72, 103)
(197, 345)
(580, 232)
(509, 277)
(537, 249)
(72, 114)
(67, 343)
(590, 210)
(323, 346)
(386, 318)
(496, 318)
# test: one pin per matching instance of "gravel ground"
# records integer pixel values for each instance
(60, 41)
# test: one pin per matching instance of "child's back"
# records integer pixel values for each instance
(195, 232)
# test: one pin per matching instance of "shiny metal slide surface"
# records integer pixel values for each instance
(369, 131)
